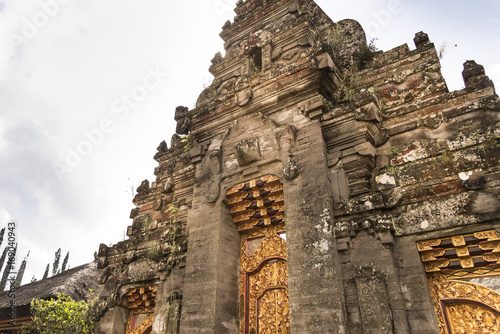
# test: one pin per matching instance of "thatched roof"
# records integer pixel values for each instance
(75, 283)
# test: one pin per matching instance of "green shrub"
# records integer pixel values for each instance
(63, 315)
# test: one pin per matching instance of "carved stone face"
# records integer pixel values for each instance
(247, 151)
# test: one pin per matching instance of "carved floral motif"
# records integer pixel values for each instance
(264, 278)
(463, 307)
(143, 327)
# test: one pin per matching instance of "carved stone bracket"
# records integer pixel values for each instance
(381, 226)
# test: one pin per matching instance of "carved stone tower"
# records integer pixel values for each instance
(318, 186)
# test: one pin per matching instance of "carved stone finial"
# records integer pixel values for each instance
(226, 25)
(144, 187)
(217, 58)
(421, 39)
(134, 213)
(474, 76)
(183, 121)
(163, 147)
(472, 69)
(180, 112)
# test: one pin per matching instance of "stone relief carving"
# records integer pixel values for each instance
(290, 169)
(211, 168)
(183, 121)
(247, 151)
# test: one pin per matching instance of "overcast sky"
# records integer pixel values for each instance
(88, 90)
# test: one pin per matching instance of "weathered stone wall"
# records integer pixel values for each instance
(155, 252)
(374, 155)
(429, 164)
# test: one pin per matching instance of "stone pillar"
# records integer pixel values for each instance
(315, 281)
(211, 283)
(113, 322)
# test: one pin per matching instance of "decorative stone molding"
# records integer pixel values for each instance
(379, 224)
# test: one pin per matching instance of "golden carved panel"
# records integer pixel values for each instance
(427, 245)
(273, 312)
(490, 235)
(142, 297)
(257, 203)
(258, 210)
(141, 303)
(144, 327)
(472, 318)
(458, 241)
(264, 274)
(480, 249)
(464, 307)
(432, 255)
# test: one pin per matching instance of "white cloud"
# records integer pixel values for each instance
(4, 217)
(493, 72)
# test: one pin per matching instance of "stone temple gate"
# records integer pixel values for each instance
(318, 186)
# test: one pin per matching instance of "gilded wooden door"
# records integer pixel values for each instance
(264, 283)
(463, 273)
(258, 210)
(141, 303)
(465, 307)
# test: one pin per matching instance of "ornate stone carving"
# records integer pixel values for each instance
(163, 147)
(169, 184)
(143, 188)
(134, 213)
(377, 224)
(157, 205)
(290, 169)
(247, 151)
(244, 97)
(212, 190)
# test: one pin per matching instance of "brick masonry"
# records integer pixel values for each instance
(374, 154)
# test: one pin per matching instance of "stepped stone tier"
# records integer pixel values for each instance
(318, 186)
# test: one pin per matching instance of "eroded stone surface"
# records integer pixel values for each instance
(374, 154)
